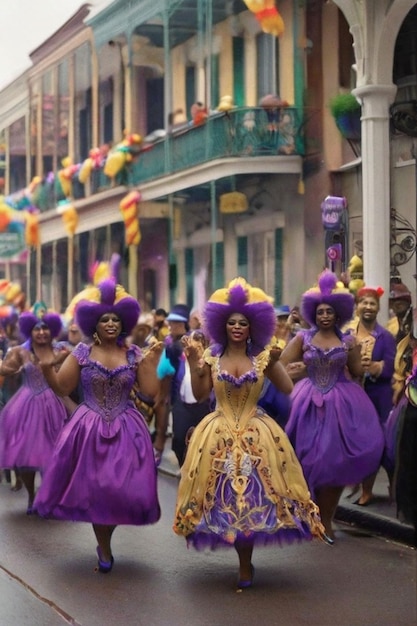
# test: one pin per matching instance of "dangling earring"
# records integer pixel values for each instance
(97, 339)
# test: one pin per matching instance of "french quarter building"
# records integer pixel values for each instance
(196, 140)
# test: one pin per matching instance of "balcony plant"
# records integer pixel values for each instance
(346, 111)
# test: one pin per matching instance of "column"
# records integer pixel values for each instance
(376, 200)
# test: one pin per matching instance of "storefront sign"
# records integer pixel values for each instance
(332, 209)
(11, 245)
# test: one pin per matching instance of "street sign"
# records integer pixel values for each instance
(332, 212)
(11, 245)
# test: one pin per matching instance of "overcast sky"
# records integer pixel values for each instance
(24, 25)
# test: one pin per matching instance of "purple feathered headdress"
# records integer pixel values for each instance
(330, 292)
(239, 297)
(107, 297)
(29, 319)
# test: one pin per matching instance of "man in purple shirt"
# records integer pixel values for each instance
(378, 350)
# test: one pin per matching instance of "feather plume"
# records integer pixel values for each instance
(327, 282)
(108, 291)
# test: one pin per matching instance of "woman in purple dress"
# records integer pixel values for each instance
(34, 416)
(333, 425)
(103, 469)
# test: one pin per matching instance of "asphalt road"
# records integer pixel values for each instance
(47, 577)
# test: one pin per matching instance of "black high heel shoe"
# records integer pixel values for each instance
(103, 566)
(246, 584)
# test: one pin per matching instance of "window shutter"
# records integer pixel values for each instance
(242, 257)
(278, 265)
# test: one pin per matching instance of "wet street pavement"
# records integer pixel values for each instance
(47, 577)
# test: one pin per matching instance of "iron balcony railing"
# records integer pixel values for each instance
(241, 132)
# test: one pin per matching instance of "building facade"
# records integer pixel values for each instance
(238, 147)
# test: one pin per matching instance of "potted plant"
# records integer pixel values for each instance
(346, 111)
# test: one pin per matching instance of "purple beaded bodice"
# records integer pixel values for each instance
(107, 392)
(33, 378)
(324, 367)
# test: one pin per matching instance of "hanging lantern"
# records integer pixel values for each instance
(267, 15)
(233, 202)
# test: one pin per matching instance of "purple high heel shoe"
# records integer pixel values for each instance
(246, 584)
(103, 566)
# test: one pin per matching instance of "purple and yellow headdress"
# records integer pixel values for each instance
(239, 297)
(107, 297)
(328, 291)
(39, 314)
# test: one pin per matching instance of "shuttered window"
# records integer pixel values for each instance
(267, 48)
(189, 275)
(215, 88)
(242, 257)
(278, 265)
(219, 266)
(238, 71)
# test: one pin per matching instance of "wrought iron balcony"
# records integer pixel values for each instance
(241, 132)
(248, 132)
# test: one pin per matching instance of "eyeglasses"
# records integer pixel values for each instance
(241, 323)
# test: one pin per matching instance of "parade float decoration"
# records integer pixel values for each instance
(267, 15)
(129, 207)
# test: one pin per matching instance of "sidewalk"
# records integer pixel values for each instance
(378, 517)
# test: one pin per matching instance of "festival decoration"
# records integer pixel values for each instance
(129, 208)
(65, 176)
(226, 104)
(32, 233)
(11, 294)
(69, 216)
(95, 160)
(267, 15)
(122, 154)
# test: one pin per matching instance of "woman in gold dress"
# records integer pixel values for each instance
(241, 483)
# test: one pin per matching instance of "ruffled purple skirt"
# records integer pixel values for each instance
(101, 472)
(337, 435)
(29, 426)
